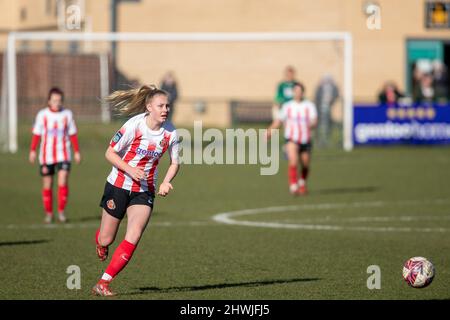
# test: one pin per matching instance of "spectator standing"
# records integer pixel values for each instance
(425, 92)
(440, 74)
(390, 94)
(326, 95)
(284, 91)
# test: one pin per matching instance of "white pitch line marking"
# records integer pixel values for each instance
(228, 217)
(367, 219)
(225, 218)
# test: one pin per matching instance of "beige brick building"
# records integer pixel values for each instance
(217, 73)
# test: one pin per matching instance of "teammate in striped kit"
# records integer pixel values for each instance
(56, 131)
(134, 152)
(299, 117)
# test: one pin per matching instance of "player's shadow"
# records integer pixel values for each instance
(23, 242)
(143, 290)
(345, 190)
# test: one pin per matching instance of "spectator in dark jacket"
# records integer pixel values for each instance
(441, 85)
(390, 94)
(425, 91)
(326, 95)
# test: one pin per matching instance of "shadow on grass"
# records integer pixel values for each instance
(143, 290)
(24, 242)
(367, 189)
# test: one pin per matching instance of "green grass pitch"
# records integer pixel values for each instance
(384, 205)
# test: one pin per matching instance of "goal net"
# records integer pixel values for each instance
(223, 79)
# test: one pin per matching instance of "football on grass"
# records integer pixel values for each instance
(418, 272)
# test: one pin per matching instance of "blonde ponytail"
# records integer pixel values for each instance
(133, 101)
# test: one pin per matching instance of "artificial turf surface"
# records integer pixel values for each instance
(384, 205)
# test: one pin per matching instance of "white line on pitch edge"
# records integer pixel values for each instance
(227, 217)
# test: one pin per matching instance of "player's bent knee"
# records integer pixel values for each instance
(106, 240)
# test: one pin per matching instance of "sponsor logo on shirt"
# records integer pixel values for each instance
(56, 132)
(148, 153)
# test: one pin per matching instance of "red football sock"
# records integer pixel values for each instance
(120, 258)
(63, 192)
(292, 172)
(47, 199)
(305, 172)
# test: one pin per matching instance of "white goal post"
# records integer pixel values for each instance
(13, 37)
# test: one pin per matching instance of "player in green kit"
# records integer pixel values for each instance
(284, 90)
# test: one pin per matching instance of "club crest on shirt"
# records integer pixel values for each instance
(151, 146)
(110, 204)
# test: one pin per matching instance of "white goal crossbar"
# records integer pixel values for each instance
(179, 37)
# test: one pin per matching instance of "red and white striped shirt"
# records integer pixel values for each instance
(139, 146)
(54, 128)
(297, 118)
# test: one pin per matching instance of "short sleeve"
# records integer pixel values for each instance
(72, 129)
(38, 126)
(279, 94)
(123, 137)
(174, 148)
(312, 112)
(282, 113)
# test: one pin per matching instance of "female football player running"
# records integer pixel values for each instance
(134, 152)
(299, 117)
(55, 128)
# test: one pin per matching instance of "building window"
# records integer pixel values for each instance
(73, 47)
(48, 46)
(23, 14)
(48, 7)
